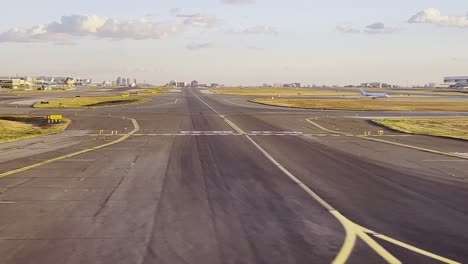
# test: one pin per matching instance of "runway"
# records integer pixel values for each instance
(203, 178)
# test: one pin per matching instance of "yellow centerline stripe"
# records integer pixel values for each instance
(326, 129)
(390, 142)
(349, 242)
(8, 173)
(353, 230)
(362, 232)
(415, 249)
(378, 248)
(414, 147)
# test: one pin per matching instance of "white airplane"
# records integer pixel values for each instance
(49, 83)
(374, 95)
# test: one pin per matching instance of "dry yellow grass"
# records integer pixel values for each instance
(280, 92)
(88, 102)
(153, 91)
(368, 104)
(442, 127)
(406, 91)
(19, 127)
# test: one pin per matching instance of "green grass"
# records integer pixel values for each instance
(441, 127)
(367, 104)
(89, 102)
(36, 91)
(281, 92)
(153, 91)
(22, 127)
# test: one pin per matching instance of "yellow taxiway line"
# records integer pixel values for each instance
(124, 137)
(391, 143)
(414, 147)
(353, 230)
(415, 249)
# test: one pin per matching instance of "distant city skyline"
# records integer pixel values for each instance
(238, 42)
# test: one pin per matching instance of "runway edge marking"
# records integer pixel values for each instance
(326, 129)
(352, 230)
(415, 147)
(392, 143)
(352, 226)
(121, 139)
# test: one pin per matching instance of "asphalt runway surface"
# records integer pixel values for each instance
(191, 177)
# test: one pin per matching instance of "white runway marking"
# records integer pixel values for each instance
(243, 105)
(207, 132)
(158, 105)
(353, 230)
(433, 160)
(255, 133)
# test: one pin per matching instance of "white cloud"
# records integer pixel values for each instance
(347, 28)
(379, 28)
(200, 21)
(138, 29)
(434, 16)
(34, 34)
(72, 27)
(257, 30)
(199, 46)
(77, 25)
(237, 2)
(177, 12)
(374, 28)
(188, 15)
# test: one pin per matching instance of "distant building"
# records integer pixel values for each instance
(460, 82)
(70, 81)
(126, 81)
(177, 84)
(214, 85)
(287, 85)
(29, 79)
(14, 83)
(456, 79)
(84, 81)
(376, 85)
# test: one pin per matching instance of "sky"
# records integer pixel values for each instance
(237, 42)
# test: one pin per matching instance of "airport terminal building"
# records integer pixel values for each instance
(456, 82)
(456, 79)
(12, 83)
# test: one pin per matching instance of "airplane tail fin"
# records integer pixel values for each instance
(363, 92)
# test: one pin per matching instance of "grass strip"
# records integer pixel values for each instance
(440, 127)
(14, 128)
(90, 102)
(367, 104)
